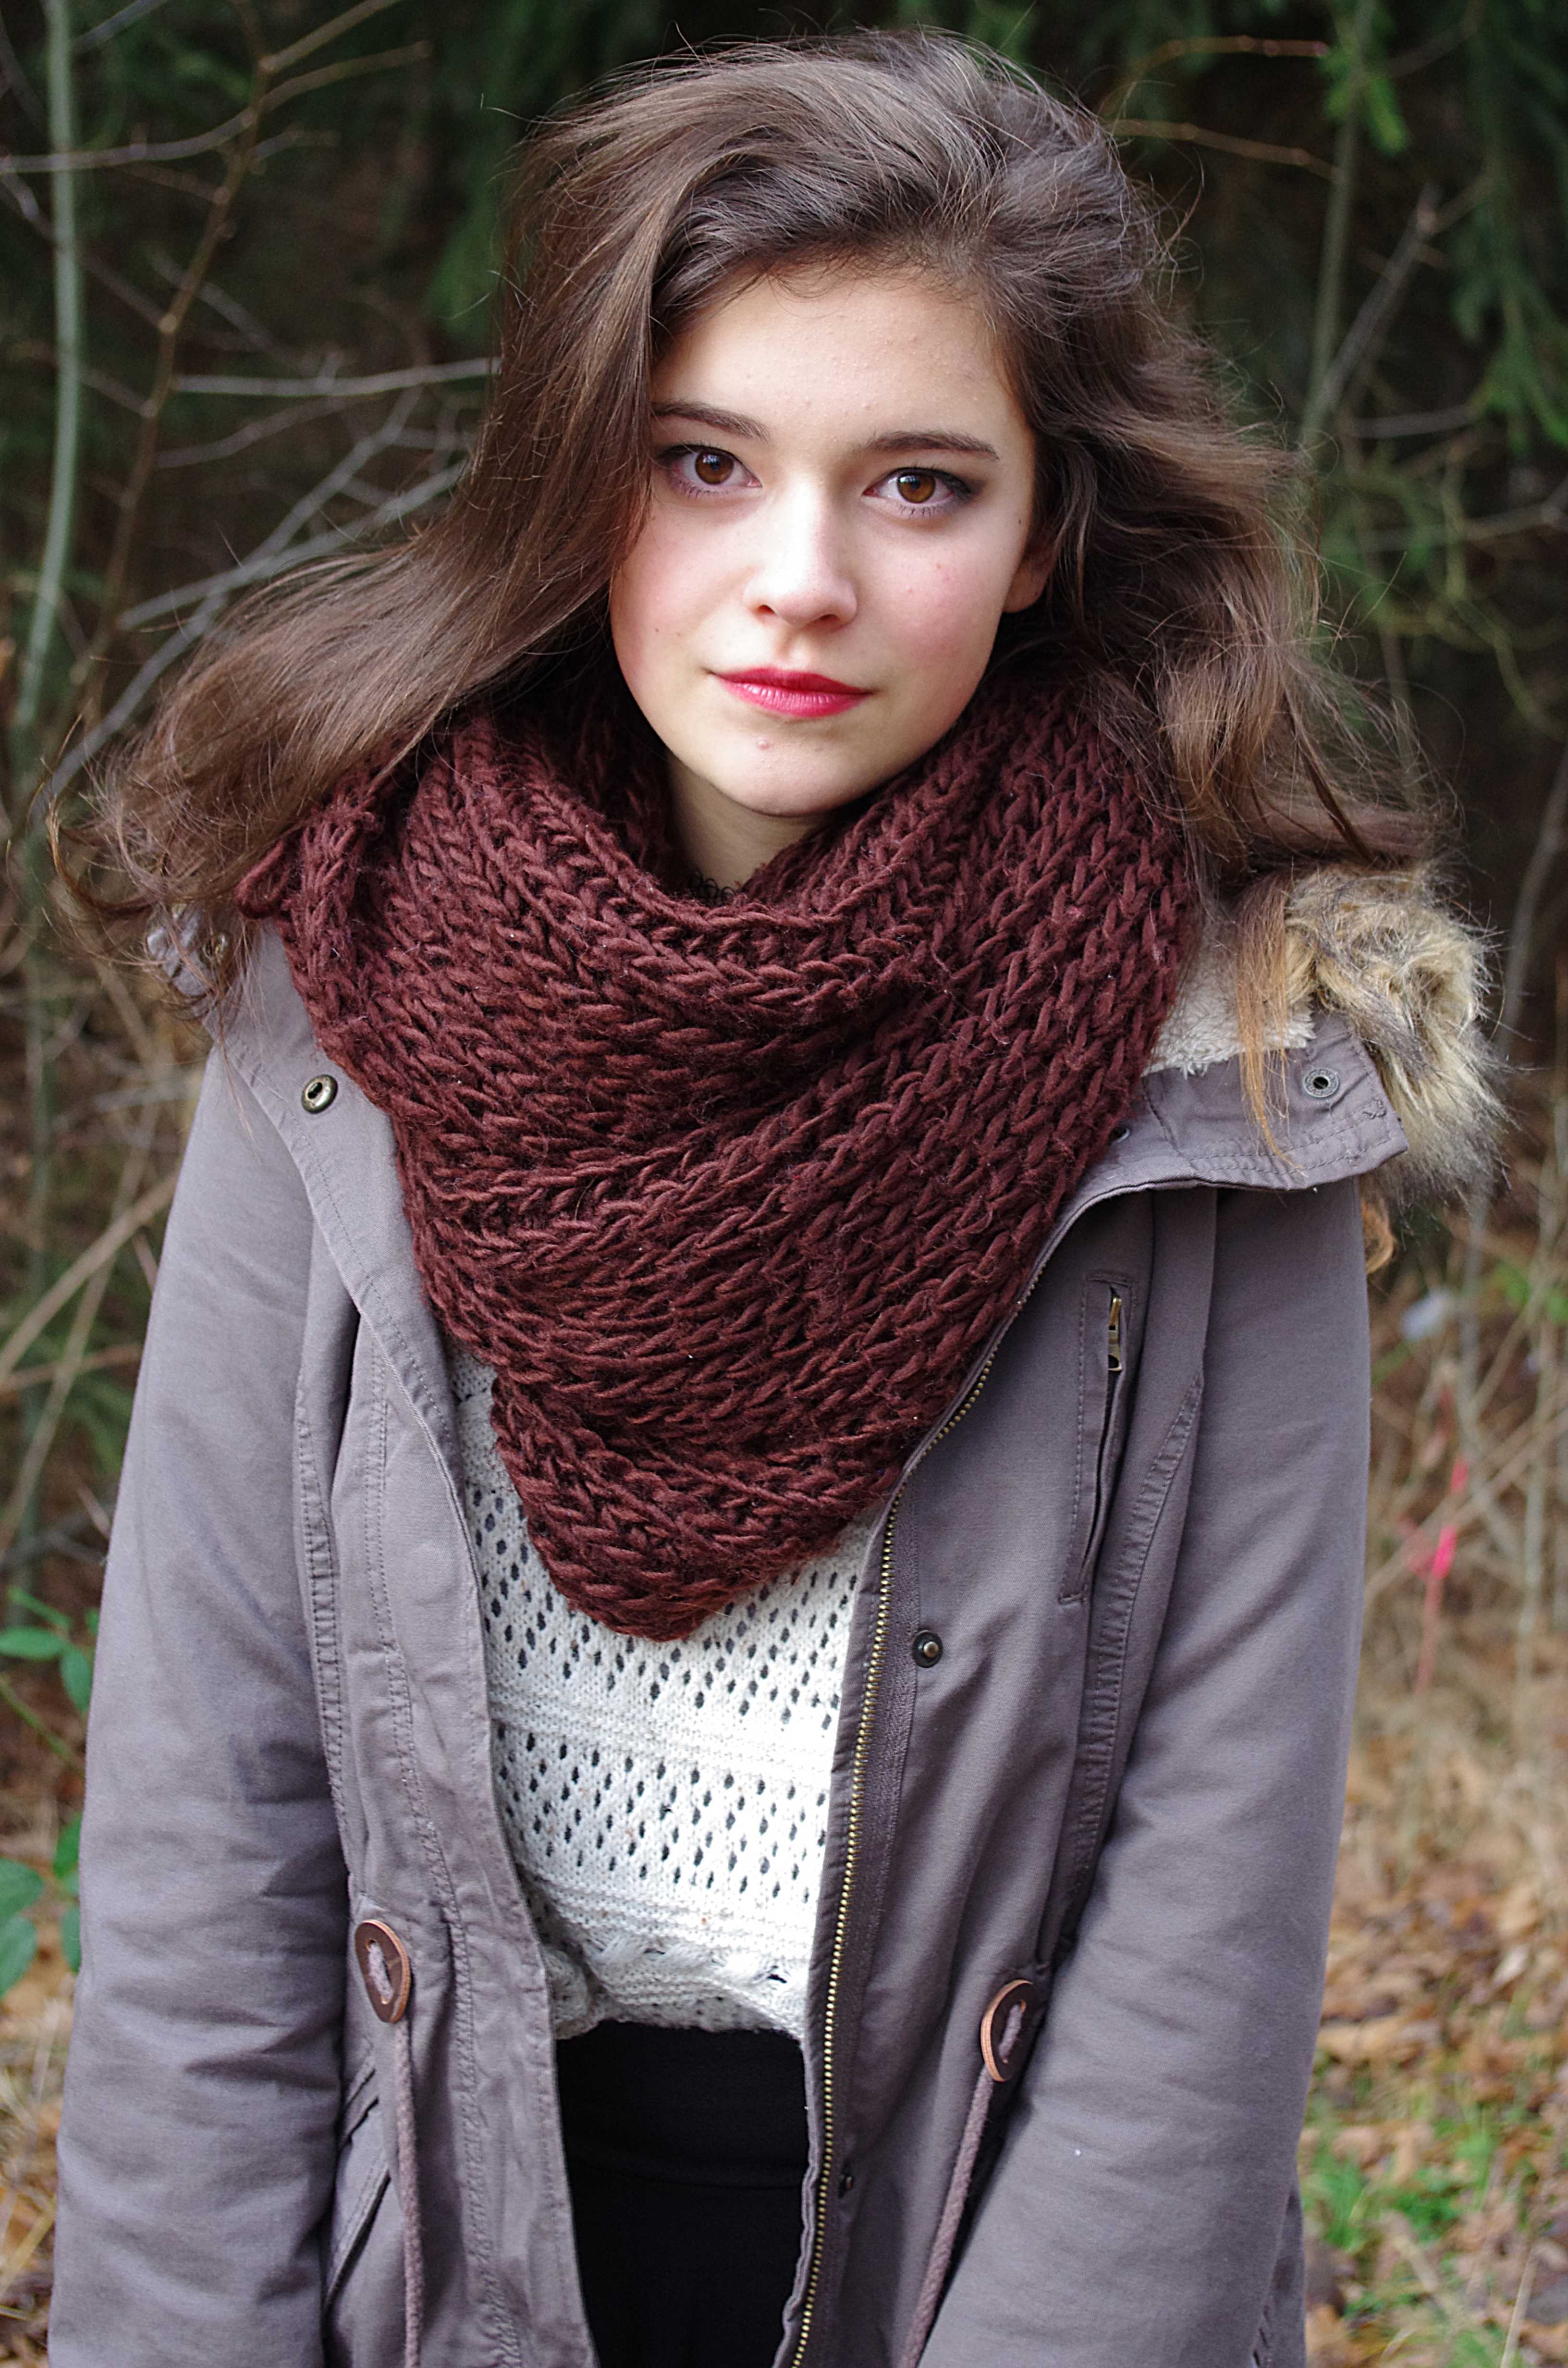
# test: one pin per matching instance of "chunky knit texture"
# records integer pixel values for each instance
(731, 1195)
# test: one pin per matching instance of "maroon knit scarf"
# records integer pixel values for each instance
(731, 1195)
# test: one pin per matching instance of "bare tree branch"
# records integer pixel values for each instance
(256, 431)
(1549, 515)
(1551, 839)
(1336, 227)
(238, 579)
(68, 334)
(59, 1294)
(1415, 423)
(1266, 152)
(1367, 331)
(214, 594)
(96, 35)
(201, 144)
(1205, 45)
(296, 389)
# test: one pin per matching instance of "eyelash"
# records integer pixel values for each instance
(960, 488)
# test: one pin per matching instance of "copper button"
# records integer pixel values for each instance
(1002, 2026)
(385, 1966)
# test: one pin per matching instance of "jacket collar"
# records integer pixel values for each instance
(1187, 1128)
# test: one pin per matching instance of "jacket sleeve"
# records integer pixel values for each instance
(197, 2150)
(1146, 2180)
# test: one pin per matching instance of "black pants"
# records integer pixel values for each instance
(687, 2150)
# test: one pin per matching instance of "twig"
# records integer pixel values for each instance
(124, 1352)
(340, 389)
(213, 593)
(1415, 423)
(1205, 45)
(96, 35)
(46, 609)
(1516, 2322)
(18, 2262)
(1551, 839)
(262, 566)
(1403, 2242)
(339, 479)
(67, 159)
(108, 1245)
(170, 328)
(1265, 151)
(336, 26)
(40, 1727)
(68, 386)
(1536, 1434)
(60, 1538)
(255, 431)
(1551, 514)
(68, 1368)
(42, 2053)
(1336, 229)
(1368, 330)
(13, 78)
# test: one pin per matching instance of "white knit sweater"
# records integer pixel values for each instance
(665, 1804)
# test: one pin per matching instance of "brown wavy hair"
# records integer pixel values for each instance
(1178, 590)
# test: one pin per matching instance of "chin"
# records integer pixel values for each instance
(787, 802)
(799, 782)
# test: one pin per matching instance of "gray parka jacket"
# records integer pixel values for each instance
(1086, 1847)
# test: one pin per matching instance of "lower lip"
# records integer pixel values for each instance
(781, 698)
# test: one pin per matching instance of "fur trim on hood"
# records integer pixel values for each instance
(1408, 976)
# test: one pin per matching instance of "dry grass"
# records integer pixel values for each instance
(35, 2027)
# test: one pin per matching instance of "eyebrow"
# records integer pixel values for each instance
(896, 440)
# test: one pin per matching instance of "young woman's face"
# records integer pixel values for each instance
(843, 496)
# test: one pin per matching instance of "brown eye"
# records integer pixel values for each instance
(918, 487)
(712, 468)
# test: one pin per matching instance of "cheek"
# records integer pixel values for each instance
(654, 595)
(944, 617)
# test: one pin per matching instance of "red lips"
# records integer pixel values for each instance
(782, 692)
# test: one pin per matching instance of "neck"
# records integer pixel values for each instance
(723, 842)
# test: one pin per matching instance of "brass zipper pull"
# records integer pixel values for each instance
(1113, 1341)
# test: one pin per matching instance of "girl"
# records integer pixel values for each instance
(725, 1671)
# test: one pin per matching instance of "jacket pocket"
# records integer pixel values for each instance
(1103, 1340)
(362, 2180)
(362, 2313)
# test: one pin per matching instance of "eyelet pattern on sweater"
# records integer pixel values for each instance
(665, 1803)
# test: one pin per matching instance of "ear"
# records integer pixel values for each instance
(1032, 577)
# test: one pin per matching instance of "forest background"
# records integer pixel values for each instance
(246, 264)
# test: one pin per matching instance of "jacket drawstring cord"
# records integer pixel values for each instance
(388, 1973)
(1001, 2028)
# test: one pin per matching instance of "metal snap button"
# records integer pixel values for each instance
(927, 1648)
(319, 1095)
(1320, 1085)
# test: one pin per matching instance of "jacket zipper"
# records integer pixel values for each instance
(852, 1842)
(1115, 1360)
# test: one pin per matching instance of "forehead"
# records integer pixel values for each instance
(859, 350)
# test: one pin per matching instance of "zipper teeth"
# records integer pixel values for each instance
(852, 1841)
(840, 1929)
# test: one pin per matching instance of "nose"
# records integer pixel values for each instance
(802, 574)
